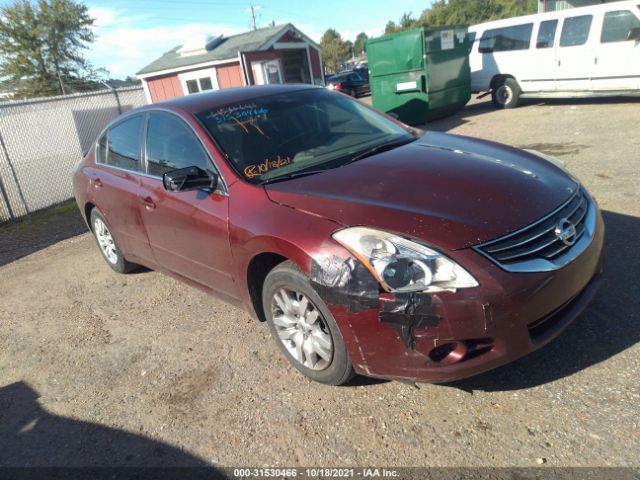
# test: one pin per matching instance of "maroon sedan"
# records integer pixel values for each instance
(366, 247)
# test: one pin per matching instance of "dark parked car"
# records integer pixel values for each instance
(366, 247)
(350, 83)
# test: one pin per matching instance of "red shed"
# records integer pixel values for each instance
(278, 54)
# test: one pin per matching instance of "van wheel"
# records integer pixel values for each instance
(303, 327)
(506, 93)
(108, 245)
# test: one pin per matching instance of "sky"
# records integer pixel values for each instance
(132, 33)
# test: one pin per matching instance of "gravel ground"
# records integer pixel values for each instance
(102, 369)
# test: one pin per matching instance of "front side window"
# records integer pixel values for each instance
(291, 134)
(171, 144)
(517, 37)
(546, 34)
(575, 30)
(618, 25)
(124, 144)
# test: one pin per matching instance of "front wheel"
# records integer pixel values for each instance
(506, 93)
(303, 327)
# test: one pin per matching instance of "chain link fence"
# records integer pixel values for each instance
(43, 139)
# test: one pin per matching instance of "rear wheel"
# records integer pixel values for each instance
(353, 93)
(303, 328)
(506, 93)
(108, 245)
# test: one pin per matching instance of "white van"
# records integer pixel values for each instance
(587, 51)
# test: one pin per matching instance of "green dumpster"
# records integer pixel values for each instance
(420, 74)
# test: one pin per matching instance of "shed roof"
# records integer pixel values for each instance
(228, 49)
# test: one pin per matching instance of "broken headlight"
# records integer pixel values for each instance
(401, 265)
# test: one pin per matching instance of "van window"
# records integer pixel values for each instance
(171, 144)
(575, 30)
(546, 34)
(124, 144)
(617, 25)
(505, 39)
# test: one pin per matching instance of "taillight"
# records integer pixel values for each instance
(338, 86)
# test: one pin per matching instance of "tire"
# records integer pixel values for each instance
(109, 248)
(353, 93)
(307, 341)
(506, 93)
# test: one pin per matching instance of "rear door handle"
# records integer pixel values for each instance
(147, 202)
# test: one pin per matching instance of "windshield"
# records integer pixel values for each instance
(288, 134)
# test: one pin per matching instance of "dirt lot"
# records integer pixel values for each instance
(102, 369)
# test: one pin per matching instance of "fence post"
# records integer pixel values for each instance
(5, 197)
(13, 172)
(115, 93)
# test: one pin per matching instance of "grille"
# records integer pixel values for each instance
(539, 240)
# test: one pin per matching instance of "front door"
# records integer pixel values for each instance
(575, 60)
(617, 56)
(188, 231)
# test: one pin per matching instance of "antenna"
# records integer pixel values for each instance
(252, 9)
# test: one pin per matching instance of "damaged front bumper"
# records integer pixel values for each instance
(446, 336)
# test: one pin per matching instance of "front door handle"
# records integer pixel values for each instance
(97, 183)
(148, 203)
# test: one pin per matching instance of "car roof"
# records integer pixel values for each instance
(209, 100)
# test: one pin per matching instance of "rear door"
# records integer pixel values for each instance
(576, 54)
(617, 58)
(188, 231)
(116, 181)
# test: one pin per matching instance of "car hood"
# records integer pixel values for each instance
(448, 190)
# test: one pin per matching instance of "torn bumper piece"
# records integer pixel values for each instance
(446, 336)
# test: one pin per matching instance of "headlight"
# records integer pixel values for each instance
(401, 265)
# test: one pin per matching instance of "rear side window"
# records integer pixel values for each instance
(171, 144)
(617, 26)
(575, 30)
(124, 144)
(506, 39)
(546, 34)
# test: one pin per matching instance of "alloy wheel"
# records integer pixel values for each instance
(301, 329)
(105, 240)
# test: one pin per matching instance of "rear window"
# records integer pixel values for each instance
(618, 25)
(517, 37)
(575, 30)
(123, 147)
(546, 34)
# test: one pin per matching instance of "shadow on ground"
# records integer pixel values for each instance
(610, 325)
(39, 230)
(32, 437)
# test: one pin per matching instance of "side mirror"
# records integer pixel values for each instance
(189, 178)
(634, 34)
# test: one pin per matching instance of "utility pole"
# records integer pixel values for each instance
(252, 9)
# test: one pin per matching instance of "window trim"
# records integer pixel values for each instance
(493, 30)
(196, 75)
(589, 32)
(105, 131)
(221, 188)
(604, 19)
(556, 37)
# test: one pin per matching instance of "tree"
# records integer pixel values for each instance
(359, 44)
(335, 51)
(470, 12)
(41, 46)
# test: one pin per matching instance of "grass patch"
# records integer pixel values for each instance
(38, 217)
